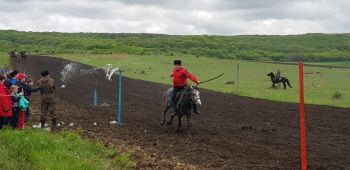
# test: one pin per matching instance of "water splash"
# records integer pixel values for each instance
(71, 70)
(66, 73)
(110, 70)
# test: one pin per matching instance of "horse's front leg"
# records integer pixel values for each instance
(178, 129)
(273, 85)
(284, 85)
(171, 119)
(164, 115)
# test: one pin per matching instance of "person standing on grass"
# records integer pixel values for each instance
(28, 90)
(48, 103)
(21, 82)
(16, 97)
(8, 84)
(26, 86)
(180, 76)
(5, 102)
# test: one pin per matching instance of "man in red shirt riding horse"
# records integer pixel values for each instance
(180, 76)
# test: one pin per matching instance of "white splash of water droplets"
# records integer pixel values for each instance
(71, 69)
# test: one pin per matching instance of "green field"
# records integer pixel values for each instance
(36, 149)
(339, 63)
(4, 59)
(253, 81)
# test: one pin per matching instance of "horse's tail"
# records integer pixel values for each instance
(289, 83)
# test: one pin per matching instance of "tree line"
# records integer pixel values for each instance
(306, 47)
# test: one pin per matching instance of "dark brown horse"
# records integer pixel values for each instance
(278, 80)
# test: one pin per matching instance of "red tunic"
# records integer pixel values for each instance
(180, 77)
(5, 102)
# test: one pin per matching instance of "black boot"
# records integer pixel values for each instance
(54, 124)
(196, 109)
(42, 124)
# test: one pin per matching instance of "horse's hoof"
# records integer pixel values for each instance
(169, 123)
(161, 123)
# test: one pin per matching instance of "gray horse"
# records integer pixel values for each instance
(188, 97)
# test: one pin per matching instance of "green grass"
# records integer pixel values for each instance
(338, 63)
(253, 81)
(36, 149)
(4, 59)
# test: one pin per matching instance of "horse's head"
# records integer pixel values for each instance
(271, 74)
(196, 95)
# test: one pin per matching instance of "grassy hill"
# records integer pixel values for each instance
(307, 47)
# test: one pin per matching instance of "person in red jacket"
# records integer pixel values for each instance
(180, 76)
(5, 102)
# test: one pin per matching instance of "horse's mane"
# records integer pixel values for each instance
(185, 102)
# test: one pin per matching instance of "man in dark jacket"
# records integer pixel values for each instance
(48, 101)
(180, 76)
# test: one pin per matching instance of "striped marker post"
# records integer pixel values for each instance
(302, 117)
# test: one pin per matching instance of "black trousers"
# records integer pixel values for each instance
(2, 122)
(14, 118)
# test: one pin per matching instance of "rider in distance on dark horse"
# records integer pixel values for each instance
(278, 75)
(180, 75)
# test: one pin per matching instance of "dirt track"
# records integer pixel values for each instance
(231, 133)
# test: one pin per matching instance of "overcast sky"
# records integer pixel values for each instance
(220, 17)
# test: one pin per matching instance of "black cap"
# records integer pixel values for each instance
(13, 73)
(177, 62)
(45, 73)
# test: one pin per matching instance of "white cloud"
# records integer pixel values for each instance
(224, 17)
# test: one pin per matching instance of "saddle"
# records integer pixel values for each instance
(181, 98)
(277, 79)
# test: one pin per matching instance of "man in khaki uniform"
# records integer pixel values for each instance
(48, 101)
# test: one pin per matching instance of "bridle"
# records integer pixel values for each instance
(196, 97)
